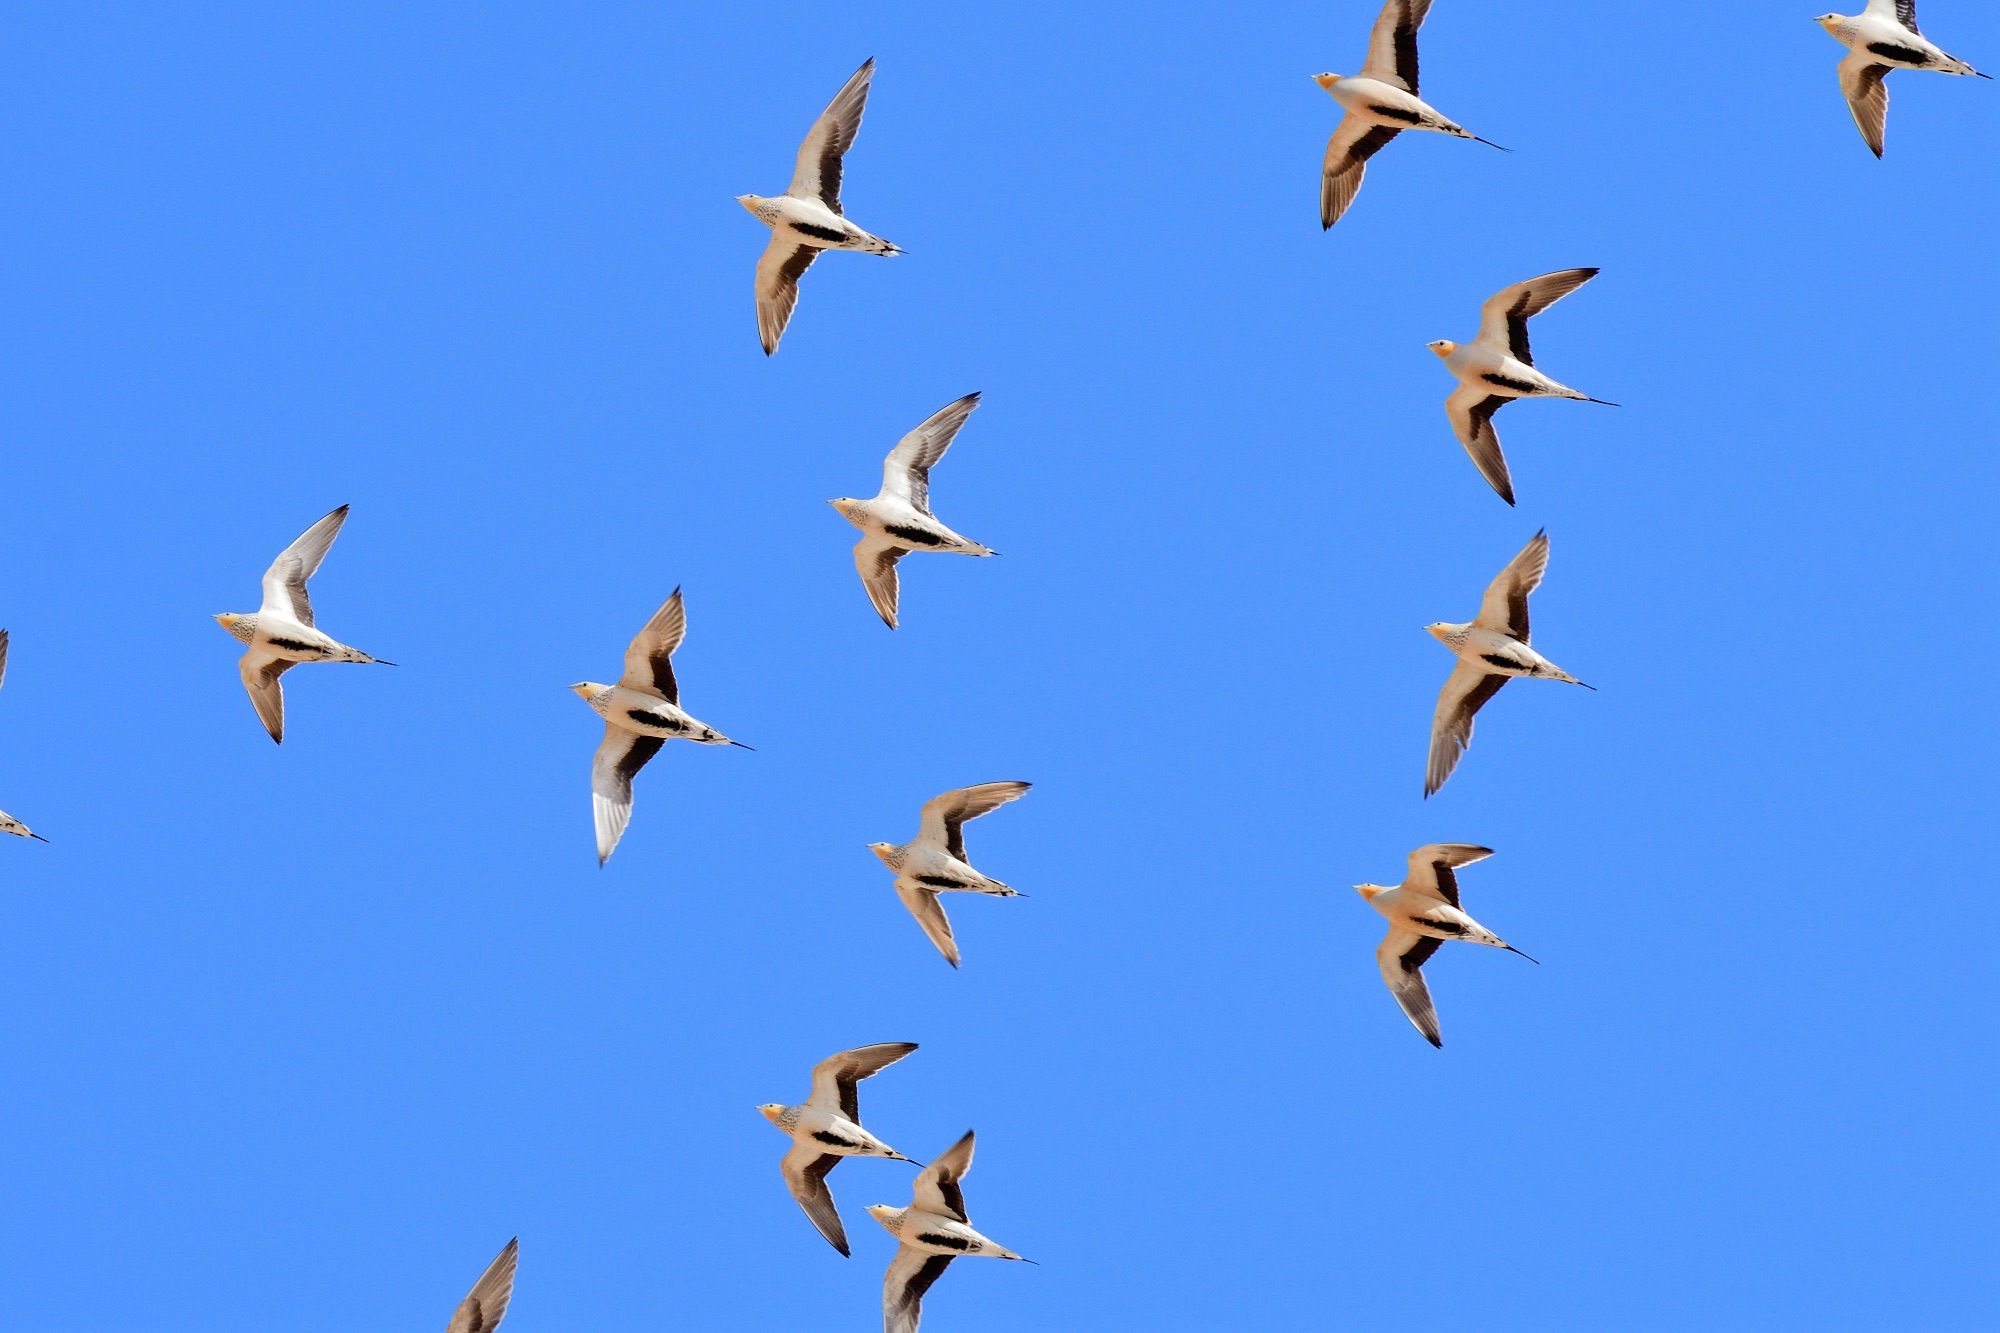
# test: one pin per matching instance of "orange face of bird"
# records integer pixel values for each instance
(1368, 891)
(1443, 347)
(1326, 81)
(771, 1111)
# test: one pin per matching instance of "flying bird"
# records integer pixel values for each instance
(1491, 647)
(486, 1304)
(1880, 38)
(641, 713)
(9, 824)
(933, 1230)
(281, 635)
(934, 861)
(806, 218)
(1423, 912)
(1381, 102)
(827, 1127)
(899, 519)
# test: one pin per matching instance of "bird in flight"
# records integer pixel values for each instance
(1497, 366)
(899, 519)
(827, 1127)
(486, 1304)
(1381, 102)
(806, 218)
(641, 713)
(1880, 38)
(933, 1231)
(934, 861)
(1423, 912)
(281, 635)
(9, 824)
(1492, 647)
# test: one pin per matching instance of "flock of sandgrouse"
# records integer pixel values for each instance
(642, 710)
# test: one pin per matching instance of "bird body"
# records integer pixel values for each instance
(898, 520)
(937, 870)
(827, 1127)
(281, 634)
(1423, 911)
(646, 714)
(1881, 38)
(931, 1232)
(1497, 653)
(1378, 102)
(934, 861)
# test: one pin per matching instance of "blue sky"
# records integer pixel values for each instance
(299, 1036)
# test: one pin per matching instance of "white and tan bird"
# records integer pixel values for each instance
(486, 1304)
(806, 219)
(932, 1232)
(1381, 102)
(899, 519)
(1424, 912)
(282, 634)
(827, 1127)
(1496, 367)
(9, 824)
(1492, 648)
(641, 713)
(934, 861)
(1881, 38)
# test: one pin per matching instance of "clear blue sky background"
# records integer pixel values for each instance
(298, 1037)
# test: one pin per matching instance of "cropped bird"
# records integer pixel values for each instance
(641, 713)
(9, 824)
(1381, 102)
(934, 861)
(934, 1230)
(1491, 647)
(281, 635)
(1880, 38)
(1423, 912)
(806, 218)
(1497, 366)
(899, 519)
(486, 1304)
(827, 1127)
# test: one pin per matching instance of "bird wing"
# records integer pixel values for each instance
(1906, 14)
(1401, 956)
(1354, 141)
(1505, 606)
(876, 559)
(486, 1304)
(1465, 692)
(1867, 97)
(910, 1275)
(1471, 411)
(929, 912)
(818, 172)
(1392, 44)
(3, 656)
(944, 817)
(1898, 11)
(906, 472)
(1431, 868)
(805, 1176)
(619, 755)
(834, 1078)
(1503, 320)
(649, 661)
(260, 673)
(936, 1188)
(778, 273)
(285, 580)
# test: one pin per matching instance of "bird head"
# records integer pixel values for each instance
(585, 688)
(1829, 21)
(1326, 81)
(1443, 347)
(1440, 631)
(242, 627)
(1369, 891)
(772, 1110)
(845, 506)
(890, 1217)
(885, 850)
(752, 202)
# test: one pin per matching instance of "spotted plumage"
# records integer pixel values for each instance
(827, 1127)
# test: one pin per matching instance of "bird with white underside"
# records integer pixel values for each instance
(9, 824)
(827, 1127)
(899, 519)
(932, 1231)
(1381, 102)
(641, 713)
(807, 219)
(1423, 913)
(1492, 648)
(934, 861)
(1881, 38)
(1497, 367)
(281, 634)
(486, 1304)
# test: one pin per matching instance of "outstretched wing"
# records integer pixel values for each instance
(1431, 868)
(1505, 606)
(486, 1304)
(1392, 43)
(910, 1275)
(619, 755)
(1401, 956)
(1867, 97)
(3, 656)
(1354, 141)
(1471, 411)
(929, 912)
(1465, 692)
(875, 560)
(285, 580)
(778, 274)
(1503, 320)
(936, 1188)
(834, 1078)
(260, 679)
(818, 172)
(906, 472)
(805, 1176)
(943, 822)
(649, 660)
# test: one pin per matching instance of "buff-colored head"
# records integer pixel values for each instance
(846, 507)
(1443, 347)
(1830, 21)
(242, 627)
(885, 850)
(1326, 81)
(772, 1110)
(890, 1217)
(754, 202)
(585, 688)
(1440, 631)
(1369, 891)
